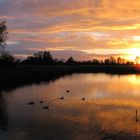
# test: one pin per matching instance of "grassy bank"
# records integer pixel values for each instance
(24, 74)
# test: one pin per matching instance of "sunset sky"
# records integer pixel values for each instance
(84, 29)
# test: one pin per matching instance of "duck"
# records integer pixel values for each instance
(31, 103)
(46, 107)
(41, 102)
(61, 98)
(83, 98)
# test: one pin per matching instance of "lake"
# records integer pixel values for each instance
(95, 107)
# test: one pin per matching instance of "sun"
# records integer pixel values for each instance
(134, 52)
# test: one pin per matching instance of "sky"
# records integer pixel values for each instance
(84, 29)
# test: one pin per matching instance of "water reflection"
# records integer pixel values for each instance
(108, 110)
(3, 114)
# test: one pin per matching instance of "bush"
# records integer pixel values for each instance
(6, 59)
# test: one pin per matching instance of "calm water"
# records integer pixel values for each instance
(108, 111)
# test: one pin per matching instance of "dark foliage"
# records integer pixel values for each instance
(40, 58)
(3, 36)
(45, 58)
(6, 59)
(70, 61)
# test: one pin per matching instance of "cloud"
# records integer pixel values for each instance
(91, 8)
(75, 25)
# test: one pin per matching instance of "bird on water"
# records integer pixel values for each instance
(83, 98)
(31, 103)
(61, 98)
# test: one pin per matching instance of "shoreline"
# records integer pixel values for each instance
(28, 74)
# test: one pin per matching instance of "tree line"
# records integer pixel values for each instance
(45, 57)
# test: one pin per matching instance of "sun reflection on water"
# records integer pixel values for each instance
(108, 109)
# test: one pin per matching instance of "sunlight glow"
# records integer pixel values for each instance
(135, 79)
(136, 38)
(133, 53)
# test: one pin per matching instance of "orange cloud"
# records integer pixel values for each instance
(85, 25)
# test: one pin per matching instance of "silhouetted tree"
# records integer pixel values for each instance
(112, 60)
(106, 61)
(129, 63)
(101, 62)
(6, 59)
(70, 60)
(3, 36)
(120, 60)
(40, 58)
(3, 113)
(59, 61)
(95, 61)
